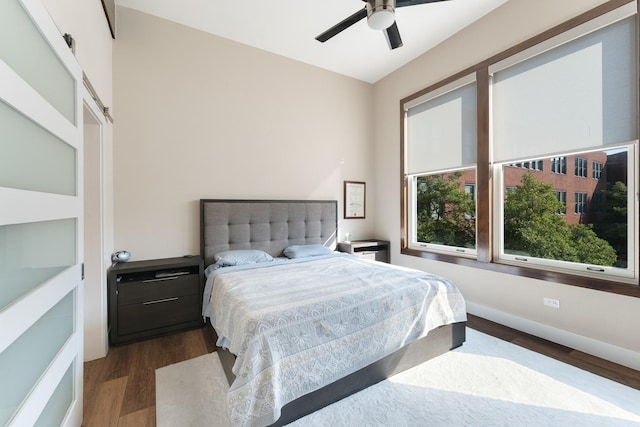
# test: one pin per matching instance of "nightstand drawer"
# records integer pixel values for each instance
(367, 254)
(158, 313)
(157, 289)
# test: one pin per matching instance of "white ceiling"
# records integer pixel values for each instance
(289, 28)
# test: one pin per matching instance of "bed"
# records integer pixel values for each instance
(347, 323)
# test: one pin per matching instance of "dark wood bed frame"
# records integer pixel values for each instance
(437, 342)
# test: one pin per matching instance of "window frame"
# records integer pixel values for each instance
(470, 189)
(458, 85)
(580, 201)
(434, 247)
(559, 165)
(576, 270)
(581, 167)
(486, 247)
(596, 172)
(561, 195)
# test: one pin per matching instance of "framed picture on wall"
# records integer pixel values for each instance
(354, 199)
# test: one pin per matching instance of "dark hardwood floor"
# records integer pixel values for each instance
(119, 390)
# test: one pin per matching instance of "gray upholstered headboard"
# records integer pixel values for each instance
(268, 225)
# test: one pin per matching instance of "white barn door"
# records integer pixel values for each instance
(40, 221)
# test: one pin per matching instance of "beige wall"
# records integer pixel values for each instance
(85, 21)
(587, 318)
(199, 116)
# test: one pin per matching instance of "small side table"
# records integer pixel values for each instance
(370, 248)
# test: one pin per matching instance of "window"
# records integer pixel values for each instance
(562, 198)
(445, 210)
(571, 100)
(441, 181)
(536, 165)
(563, 100)
(581, 167)
(559, 165)
(580, 203)
(596, 170)
(532, 212)
(470, 189)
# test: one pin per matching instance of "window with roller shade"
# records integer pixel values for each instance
(576, 105)
(441, 162)
(556, 141)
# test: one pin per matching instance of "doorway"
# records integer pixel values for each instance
(95, 289)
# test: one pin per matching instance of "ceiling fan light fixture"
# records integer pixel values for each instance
(380, 14)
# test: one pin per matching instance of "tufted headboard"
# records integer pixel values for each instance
(268, 225)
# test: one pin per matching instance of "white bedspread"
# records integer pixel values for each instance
(298, 327)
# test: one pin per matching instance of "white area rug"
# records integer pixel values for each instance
(486, 382)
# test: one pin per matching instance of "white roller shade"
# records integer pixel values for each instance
(579, 95)
(441, 132)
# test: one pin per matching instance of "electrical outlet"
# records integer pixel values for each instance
(551, 302)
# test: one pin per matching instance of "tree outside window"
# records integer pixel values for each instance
(532, 227)
(445, 211)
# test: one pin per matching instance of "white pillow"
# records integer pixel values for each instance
(304, 251)
(241, 256)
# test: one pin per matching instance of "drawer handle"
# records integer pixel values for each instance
(162, 279)
(160, 300)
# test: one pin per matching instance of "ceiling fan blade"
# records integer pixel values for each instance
(342, 25)
(403, 3)
(393, 36)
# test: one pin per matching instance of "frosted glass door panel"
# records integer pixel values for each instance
(32, 158)
(41, 209)
(24, 49)
(53, 414)
(32, 253)
(24, 361)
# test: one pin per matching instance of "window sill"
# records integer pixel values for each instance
(620, 288)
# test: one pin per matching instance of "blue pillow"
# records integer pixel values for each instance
(241, 256)
(304, 251)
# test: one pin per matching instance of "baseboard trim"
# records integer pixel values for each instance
(619, 355)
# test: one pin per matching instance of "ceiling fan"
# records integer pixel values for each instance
(380, 15)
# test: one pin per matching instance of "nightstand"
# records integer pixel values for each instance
(155, 297)
(372, 249)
